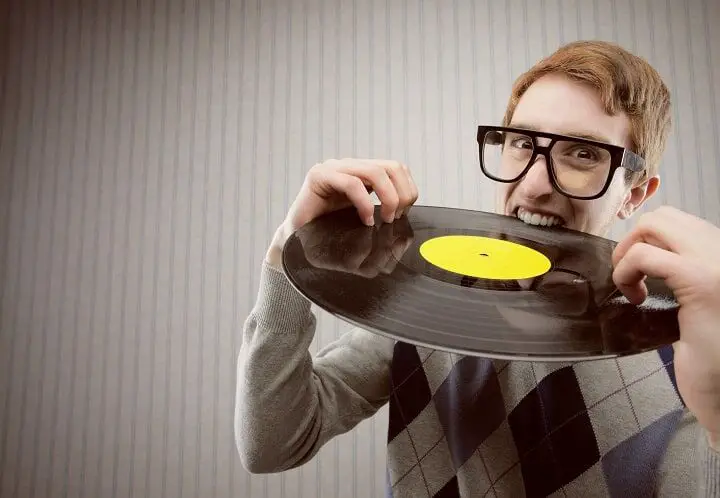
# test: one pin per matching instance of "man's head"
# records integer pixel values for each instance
(594, 89)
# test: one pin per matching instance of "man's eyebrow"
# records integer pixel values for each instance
(587, 136)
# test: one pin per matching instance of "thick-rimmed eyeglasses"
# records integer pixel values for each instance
(577, 167)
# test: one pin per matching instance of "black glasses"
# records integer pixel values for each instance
(577, 167)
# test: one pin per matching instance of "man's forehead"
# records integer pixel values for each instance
(559, 105)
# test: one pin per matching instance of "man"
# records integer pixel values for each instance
(645, 425)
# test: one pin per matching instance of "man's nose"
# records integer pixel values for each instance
(536, 183)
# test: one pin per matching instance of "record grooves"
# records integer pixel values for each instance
(447, 279)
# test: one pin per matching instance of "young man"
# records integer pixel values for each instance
(646, 425)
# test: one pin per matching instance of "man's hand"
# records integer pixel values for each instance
(338, 184)
(684, 251)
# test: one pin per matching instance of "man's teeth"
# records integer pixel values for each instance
(538, 219)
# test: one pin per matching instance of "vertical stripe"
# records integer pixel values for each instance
(713, 104)
(97, 440)
(155, 294)
(543, 28)
(202, 334)
(693, 82)
(137, 454)
(114, 326)
(236, 253)
(72, 232)
(47, 186)
(222, 374)
(405, 89)
(215, 433)
(122, 477)
(425, 180)
(91, 264)
(29, 262)
(439, 57)
(8, 121)
(477, 112)
(596, 17)
(677, 134)
(174, 179)
(252, 180)
(634, 28)
(459, 165)
(52, 327)
(10, 276)
(615, 20)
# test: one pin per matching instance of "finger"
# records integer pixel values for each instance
(399, 176)
(377, 177)
(414, 192)
(666, 228)
(413, 189)
(352, 187)
(642, 260)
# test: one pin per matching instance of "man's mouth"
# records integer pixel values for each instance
(538, 219)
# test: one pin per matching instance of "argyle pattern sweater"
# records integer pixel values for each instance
(464, 426)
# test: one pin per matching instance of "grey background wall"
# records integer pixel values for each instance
(149, 149)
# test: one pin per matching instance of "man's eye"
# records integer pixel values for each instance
(522, 143)
(584, 154)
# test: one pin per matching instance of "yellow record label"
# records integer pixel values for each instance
(484, 257)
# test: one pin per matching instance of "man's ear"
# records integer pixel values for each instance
(638, 195)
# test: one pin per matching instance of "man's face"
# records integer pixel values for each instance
(556, 104)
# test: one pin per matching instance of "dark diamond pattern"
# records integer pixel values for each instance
(667, 355)
(411, 393)
(555, 400)
(560, 458)
(553, 433)
(470, 406)
(450, 490)
(631, 466)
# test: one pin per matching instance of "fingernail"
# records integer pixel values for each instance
(370, 220)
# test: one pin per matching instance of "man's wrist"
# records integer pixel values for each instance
(273, 256)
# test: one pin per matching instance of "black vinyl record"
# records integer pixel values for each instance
(381, 278)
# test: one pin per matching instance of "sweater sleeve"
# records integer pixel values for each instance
(289, 404)
(709, 459)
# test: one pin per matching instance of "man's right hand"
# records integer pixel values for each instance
(337, 184)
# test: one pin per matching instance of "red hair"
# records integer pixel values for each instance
(625, 82)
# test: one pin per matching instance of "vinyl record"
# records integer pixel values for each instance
(477, 284)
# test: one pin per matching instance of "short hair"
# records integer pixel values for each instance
(626, 83)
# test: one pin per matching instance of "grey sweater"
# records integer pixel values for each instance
(465, 426)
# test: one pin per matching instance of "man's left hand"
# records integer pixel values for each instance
(684, 250)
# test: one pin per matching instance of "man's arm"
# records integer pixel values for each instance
(289, 404)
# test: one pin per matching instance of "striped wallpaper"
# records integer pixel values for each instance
(149, 149)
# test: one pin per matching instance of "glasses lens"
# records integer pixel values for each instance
(505, 154)
(581, 169)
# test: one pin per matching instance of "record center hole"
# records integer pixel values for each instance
(484, 254)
